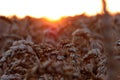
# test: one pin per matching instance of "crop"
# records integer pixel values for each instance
(78, 48)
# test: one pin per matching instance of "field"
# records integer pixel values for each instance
(73, 48)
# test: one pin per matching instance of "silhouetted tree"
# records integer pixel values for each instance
(105, 11)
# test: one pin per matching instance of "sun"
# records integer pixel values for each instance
(53, 18)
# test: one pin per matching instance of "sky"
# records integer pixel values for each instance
(54, 8)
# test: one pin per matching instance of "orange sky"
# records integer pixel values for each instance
(54, 9)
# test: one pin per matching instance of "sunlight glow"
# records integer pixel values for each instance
(54, 9)
(113, 6)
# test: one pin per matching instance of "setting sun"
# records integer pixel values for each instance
(54, 9)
